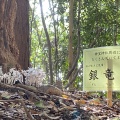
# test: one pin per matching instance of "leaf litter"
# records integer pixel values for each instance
(21, 101)
(38, 104)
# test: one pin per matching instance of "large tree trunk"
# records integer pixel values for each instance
(22, 32)
(14, 34)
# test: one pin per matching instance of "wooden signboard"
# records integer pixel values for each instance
(101, 68)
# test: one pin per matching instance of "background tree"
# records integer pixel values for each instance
(70, 46)
(95, 24)
(48, 43)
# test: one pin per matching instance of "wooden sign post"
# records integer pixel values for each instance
(110, 81)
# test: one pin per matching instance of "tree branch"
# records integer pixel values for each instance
(74, 77)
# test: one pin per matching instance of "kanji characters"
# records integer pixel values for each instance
(93, 75)
(109, 74)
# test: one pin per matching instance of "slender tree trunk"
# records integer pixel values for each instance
(32, 11)
(74, 69)
(14, 34)
(70, 46)
(55, 38)
(48, 42)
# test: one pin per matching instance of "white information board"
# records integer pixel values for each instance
(96, 71)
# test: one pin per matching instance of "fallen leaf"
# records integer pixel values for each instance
(65, 96)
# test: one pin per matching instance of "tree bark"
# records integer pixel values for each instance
(51, 5)
(75, 62)
(14, 34)
(70, 46)
(22, 33)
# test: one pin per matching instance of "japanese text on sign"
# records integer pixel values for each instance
(96, 72)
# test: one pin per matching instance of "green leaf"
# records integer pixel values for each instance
(40, 104)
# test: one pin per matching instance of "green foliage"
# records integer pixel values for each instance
(99, 26)
(100, 22)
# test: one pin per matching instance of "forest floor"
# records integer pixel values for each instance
(21, 102)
